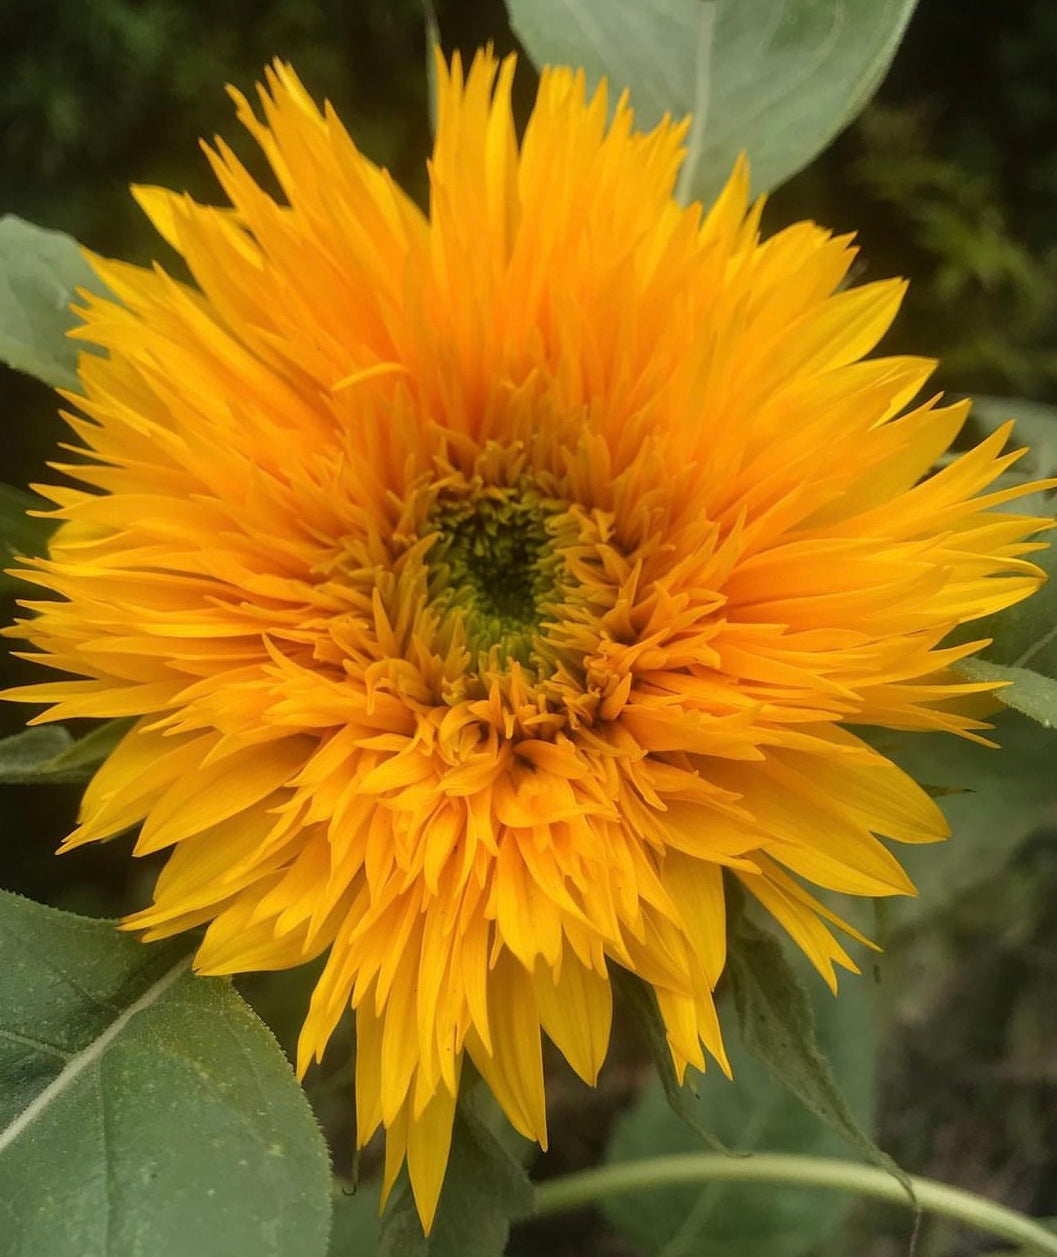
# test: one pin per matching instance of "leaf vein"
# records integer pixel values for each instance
(88, 1055)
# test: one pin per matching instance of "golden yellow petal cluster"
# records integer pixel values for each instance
(488, 583)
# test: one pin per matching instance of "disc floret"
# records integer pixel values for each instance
(495, 565)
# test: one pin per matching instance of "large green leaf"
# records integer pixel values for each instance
(39, 273)
(993, 800)
(485, 1189)
(143, 1111)
(752, 1113)
(777, 79)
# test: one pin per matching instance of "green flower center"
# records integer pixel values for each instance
(495, 565)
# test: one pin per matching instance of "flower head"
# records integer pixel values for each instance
(487, 583)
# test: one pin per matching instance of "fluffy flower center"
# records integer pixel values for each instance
(494, 565)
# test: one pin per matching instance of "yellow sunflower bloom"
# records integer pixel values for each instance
(487, 583)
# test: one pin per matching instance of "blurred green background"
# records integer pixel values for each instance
(949, 178)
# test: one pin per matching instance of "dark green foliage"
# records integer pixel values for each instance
(682, 1098)
(752, 1112)
(99, 94)
(354, 1221)
(994, 800)
(950, 179)
(21, 534)
(484, 1191)
(48, 755)
(778, 1028)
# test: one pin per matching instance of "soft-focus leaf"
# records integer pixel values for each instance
(778, 1027)
(1035, 430)
(784, 77)
(143, 1111)
(1024, 690)
(21, 534)
(1023, 650)
(751, 1113)
(485, 1189)
(1025, 635)
(39, 273)
(22, 755)
(1035, 425)
(993, 800)
(50, 756)
(354, 1222)
(682, 1100)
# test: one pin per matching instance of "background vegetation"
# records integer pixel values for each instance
(950, 178)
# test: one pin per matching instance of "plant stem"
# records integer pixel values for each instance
(774, 1167)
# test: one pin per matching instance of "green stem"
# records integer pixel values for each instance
(775, 1167)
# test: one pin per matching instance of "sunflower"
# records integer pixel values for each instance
(488, 584)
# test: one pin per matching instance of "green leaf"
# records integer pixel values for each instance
(1025, 691)
(1035, 427)
(994, 800)
(1025, 635)
(1023, 649)
(48, 755)
(23, 754)
(143, 1111)
(751, 1113)
(778, 78)
(485, 1189)
(683, 1100)
(778, 1027)
(354, 1221)
(40, 271)
(21, 534)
